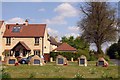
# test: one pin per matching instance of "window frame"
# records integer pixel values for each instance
(8, 41)
(37, 52)
(37, 42)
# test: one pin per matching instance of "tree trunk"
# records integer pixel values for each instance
(99, 49)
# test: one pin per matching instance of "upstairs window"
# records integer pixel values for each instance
(8, 41)
(16, 29)
(37, 41)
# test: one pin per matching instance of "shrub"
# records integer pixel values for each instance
(68, 55)
(92, 58)
(107, 58)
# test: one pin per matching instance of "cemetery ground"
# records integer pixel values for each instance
(72, 70)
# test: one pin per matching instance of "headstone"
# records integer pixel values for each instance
(60, 60)
(36, 60)
(102, 62)
(10, 60)
(82, 61)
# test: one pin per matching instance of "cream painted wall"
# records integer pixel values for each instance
(2, 30)
(28, 41)
(52, 47)
(46, 43)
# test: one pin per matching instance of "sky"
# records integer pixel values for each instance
(61, 17)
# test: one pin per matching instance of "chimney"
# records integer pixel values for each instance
(26, 22)
(17, 24)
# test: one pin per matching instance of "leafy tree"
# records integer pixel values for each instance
(98, 23)
(78, 42)
(114, 50)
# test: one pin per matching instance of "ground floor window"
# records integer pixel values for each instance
(37, 52)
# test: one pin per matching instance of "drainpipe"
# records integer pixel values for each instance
(42, 45)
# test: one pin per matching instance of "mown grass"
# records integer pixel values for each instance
(51, 70)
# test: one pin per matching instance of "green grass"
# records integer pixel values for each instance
(51, 70)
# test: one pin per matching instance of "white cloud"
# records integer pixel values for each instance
(59, 0)
(63, 10)
(72, 34)
(66, 10)
(55, 20)
(15, 20)
(73, 28)
(52, 32)
(41, 9)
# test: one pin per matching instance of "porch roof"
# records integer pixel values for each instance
(23, 44)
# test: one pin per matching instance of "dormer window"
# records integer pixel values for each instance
(16, 29)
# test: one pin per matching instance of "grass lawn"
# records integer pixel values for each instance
(51, 70)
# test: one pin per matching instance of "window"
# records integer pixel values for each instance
(37, 52)
(36, 41)
(8, 41)
(16, 29)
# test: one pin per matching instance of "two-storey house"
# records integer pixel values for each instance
(26, 39)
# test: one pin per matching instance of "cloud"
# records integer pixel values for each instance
(41, 9)
(55, 20)
(66, 10)
(72, 34)
(73, 28)
(15, 20)
(52, 32)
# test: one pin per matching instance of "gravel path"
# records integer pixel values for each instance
(115, 61)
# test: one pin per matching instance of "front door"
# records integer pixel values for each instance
(17, 53)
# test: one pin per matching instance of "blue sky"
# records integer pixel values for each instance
(61, 17)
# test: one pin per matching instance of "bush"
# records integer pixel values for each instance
(69, 55)
(92, 58)
(107, 58)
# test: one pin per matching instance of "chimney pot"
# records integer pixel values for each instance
(26, 22)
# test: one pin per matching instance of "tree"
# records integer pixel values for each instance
(78, 42)
(114, 50)
(98, 23)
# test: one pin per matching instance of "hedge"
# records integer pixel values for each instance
(68, 55)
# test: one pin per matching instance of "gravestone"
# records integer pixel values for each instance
(82, 61)
(102, 62)
(60, 60)
(10, 60)
(36, 60)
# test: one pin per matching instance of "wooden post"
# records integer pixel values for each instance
(51, 59)
(72, 59)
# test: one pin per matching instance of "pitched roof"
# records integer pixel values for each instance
(1, 22)
(23, 44)
(31, 30)
(53, 41)
(65, 47)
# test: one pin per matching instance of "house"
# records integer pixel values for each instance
(53, 43)
(25, 40)
(64, 47)
(2, 30)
